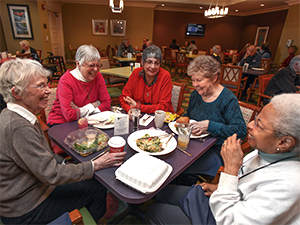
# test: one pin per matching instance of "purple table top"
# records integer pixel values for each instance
(177, 159)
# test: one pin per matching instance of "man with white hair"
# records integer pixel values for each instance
(216, 53)
(285, 80)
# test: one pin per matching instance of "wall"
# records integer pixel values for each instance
(291, 30)
(77, 24)
(223, 31)
(13, 44)
(3, 46)
(251, 23)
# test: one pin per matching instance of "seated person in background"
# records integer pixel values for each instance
(216, 53)
(174, 45)
(82, 88)
(192, 46)
(150, 85)
(217, 111)
(144, 43)
(36, 186)
(125, 48)
(264, 51)
(285, 80)
(252, 190)
(27, 49)
(291, 50)
(185, 46)
(252, 57)
(242, 52)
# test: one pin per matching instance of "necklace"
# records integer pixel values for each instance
(88, 93)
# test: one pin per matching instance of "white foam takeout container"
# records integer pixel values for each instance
(143, 172)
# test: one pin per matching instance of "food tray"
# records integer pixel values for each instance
(80, 143)
(144, 172)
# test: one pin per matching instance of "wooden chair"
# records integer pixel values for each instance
(265, 64)
(263, 83)
(222, 56)
(202, 52)
(39, 52)
(168, 58)
(173, 55)
(24, 56)
(195, 52)
(105, 53)
(181, 62)
(72, 52)
(177, 97)
(77, 217)
(231, 77)
(59, 61)
(232, 52)
(106, 64)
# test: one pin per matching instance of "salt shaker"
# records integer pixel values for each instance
(131, 67)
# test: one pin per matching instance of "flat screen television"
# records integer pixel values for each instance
(194, 29)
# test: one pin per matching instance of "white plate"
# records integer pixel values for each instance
(102, 116)
(131, 140)
(258, 69)
(173, 128)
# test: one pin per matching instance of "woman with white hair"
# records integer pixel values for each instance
(26, 48)
(150, 85)
(36, 186)
(82, 88)
(261, 188)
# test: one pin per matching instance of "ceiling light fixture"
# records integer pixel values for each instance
(216, 12)
(116, 9)
(200, 7)
(162, 5)
(262, 4)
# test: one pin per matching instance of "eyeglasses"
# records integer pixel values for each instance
(263, 128)
(92, 66)
(43, 86)
(150, 63)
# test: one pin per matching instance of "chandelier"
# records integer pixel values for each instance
(116, 9)
(216, 12)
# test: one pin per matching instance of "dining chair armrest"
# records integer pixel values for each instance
(244, 79)
(76, 217)
(43, 124)
(264, 96)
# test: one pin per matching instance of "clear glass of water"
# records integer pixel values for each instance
(135, 112)
(184, 133)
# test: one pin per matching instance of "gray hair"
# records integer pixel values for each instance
(288, 121)
(215, 47)
(295, 59)
(152, 52)
(25, 42)
(86, 53)
(204, 64)
(19, 73)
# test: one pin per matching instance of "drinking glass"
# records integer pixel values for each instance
(184, 133)
(135, 112)
(82, 119)
(159, 118)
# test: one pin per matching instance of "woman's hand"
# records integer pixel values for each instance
(232, 155)
(109, 160)
(208, 188)
(96, 103)
(129, 101)
(200, 127)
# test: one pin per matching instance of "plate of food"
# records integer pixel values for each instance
(103, 120)
(173, 127)
(151, 141)
(258, 69)
(87, 141)
(170, 117)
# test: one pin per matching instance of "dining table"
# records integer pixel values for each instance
(176, 158)
(123, 72)
(191, 56)
(125, 59)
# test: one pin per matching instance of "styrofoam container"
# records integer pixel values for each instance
(143, 172)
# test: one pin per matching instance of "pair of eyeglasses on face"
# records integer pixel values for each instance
(150, 63)
(256, 124)
(92, 66)
(43, 86)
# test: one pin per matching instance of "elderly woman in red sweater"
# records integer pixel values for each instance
(150, 85)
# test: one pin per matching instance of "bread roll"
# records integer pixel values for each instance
(184, 119)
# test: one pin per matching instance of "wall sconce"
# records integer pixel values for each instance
(116, 9)
(43, 7)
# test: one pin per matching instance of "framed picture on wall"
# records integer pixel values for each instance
(261, 35)
(20, 21)
(117, 27)
(99, 27)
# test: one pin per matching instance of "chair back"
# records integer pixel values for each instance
(24, 55)
(163, 48)
(138, 58)
(195, 52)
(168, 53)
(173, 52)
(107, 50)
(69, 47)
(234, 57)
(222, 56)
(113, 51)
(181, 58)
(263, 83)
(265, 64)
(231, 51)
(39, 52)
(177, 97)
(231, 77)
(104, 61)
(51, 100)
(202, 52)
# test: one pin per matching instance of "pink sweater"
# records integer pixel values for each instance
(70, 89)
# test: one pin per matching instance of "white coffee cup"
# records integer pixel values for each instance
(129, 55)
(159, 118)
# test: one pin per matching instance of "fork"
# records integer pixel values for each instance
(144, 120)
